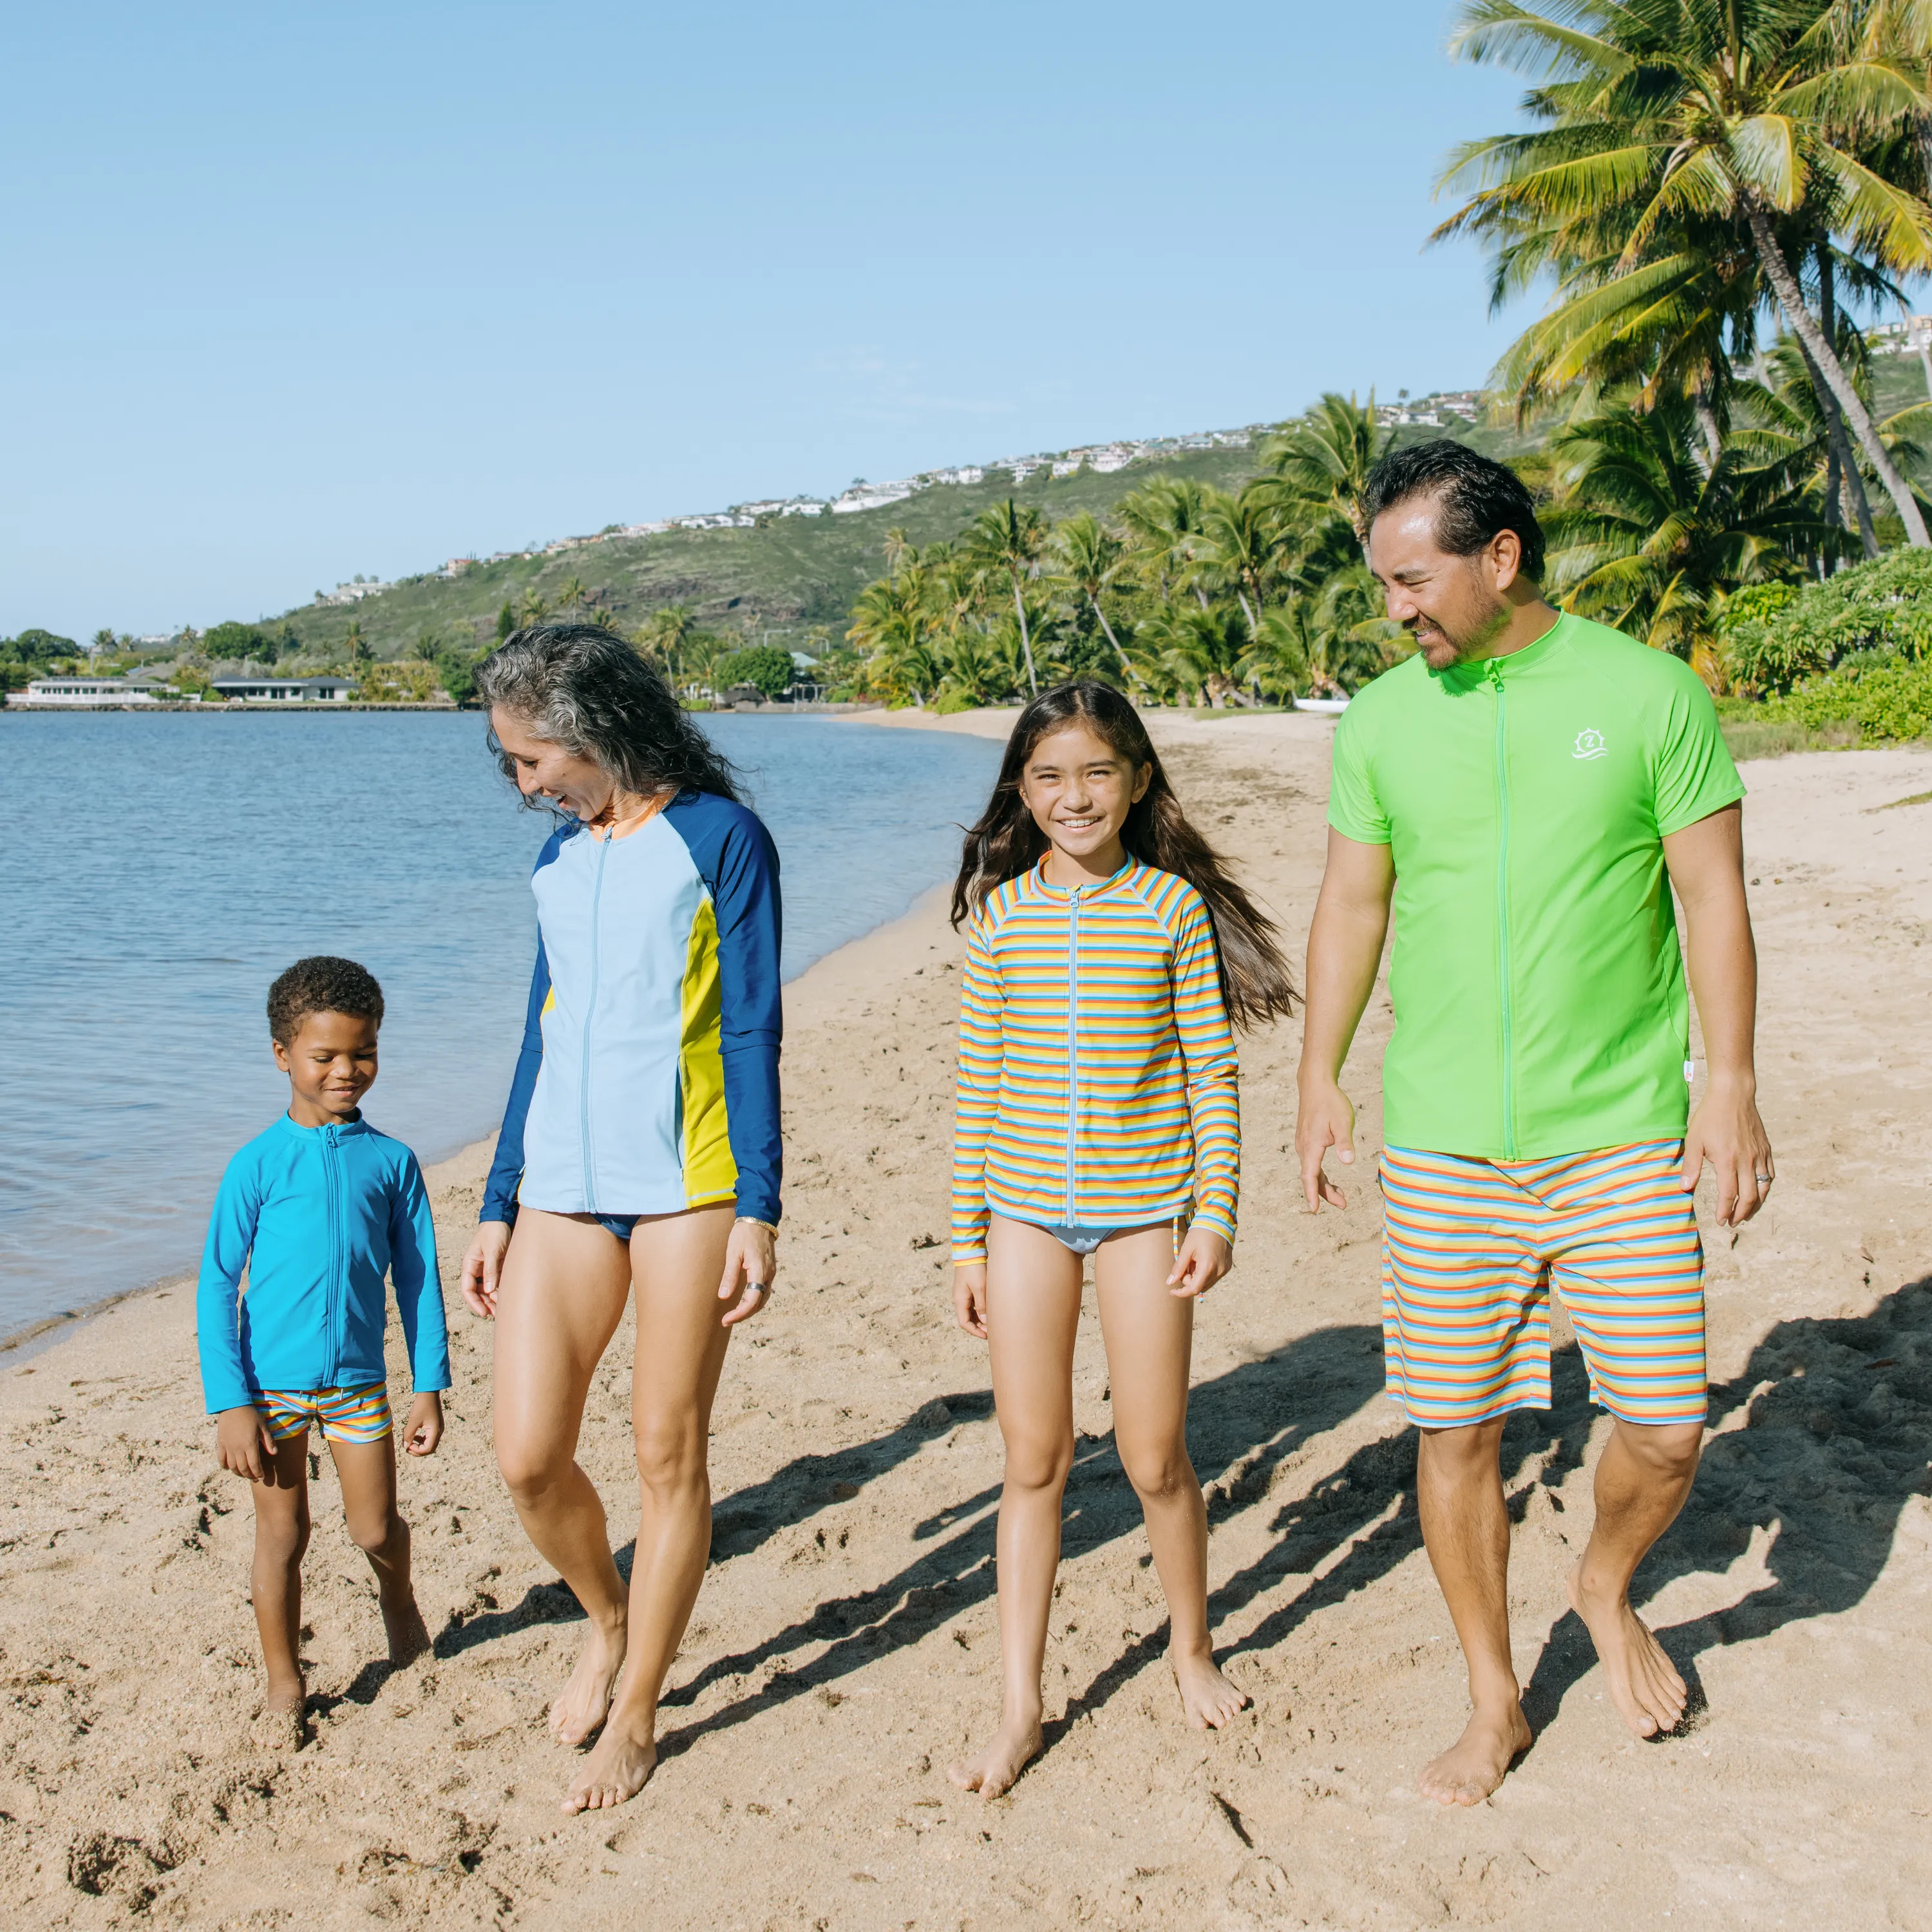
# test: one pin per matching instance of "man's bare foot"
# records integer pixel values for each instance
(408, 1634)
(619, 1767)
(1648, 1693)
(1477, 1762)
(586, 1700)
(1206, 1697)
(994, 1769)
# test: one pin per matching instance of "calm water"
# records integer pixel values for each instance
(161, 870)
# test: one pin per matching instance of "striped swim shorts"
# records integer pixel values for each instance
(1470, 1249)
(344, 1414)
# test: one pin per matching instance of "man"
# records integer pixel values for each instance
(1527, 779)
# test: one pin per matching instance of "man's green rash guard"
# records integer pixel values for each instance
(1536, 979)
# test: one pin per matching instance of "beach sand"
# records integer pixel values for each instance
(844, 1650)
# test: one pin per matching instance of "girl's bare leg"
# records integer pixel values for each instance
(368, 1473)
(281, 1536)
(565, 1283)
(1149, 1331)
(1033, 1314)
(676, 1261)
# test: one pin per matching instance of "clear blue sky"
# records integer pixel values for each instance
(296, 292)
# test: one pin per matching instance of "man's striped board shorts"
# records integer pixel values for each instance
(344, 1414)
(1471, 1248)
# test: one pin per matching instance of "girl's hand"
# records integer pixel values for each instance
(242, 1441)
(483, 1267)
(751, 1260)
(1204, 1258)
(424, 1429)
(969, 1297)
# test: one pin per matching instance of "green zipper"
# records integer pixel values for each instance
(1502, 917)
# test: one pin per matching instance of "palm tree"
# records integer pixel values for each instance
(428, 643)
(571, 594)
(1320, 463)
(1277, 658)
(1204, 649)
(531, 608)
(1010, 540)
(1163, 524)
(1090, 556)
(356, 643)
(1657, 112)
(666, 636)
(1245, 541)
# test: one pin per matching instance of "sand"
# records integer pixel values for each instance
(844, 1649)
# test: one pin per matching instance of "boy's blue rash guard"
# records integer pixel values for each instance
(648, 1081)
(318, 1216)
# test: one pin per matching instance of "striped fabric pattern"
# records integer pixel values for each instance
(1471, 1248)
(1097, 1082)
(345, 1415)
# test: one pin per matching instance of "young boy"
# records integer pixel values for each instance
(320, 1208)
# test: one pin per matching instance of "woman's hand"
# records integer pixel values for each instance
(751, 1260)
(1204, 1258)
(969, 1297)
(424, 1429)
(243, 1444)
(483, 1267)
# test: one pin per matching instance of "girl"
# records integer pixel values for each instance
(1097, 1114)
(639, 1147)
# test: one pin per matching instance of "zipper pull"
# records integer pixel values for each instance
(1495, 674)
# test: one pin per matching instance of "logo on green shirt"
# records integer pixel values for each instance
(1589, 745)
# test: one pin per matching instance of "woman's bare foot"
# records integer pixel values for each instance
(1206, 1697)
(586, 1700)
(1648, 1693)
(1477, 1762)
(618, 1768)
(408, 1634)
(1016, 1742)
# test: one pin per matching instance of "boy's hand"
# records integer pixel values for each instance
(483, 1267)
(424, 1429)
(969, 1297)
(242, 1441)
(1204, 1258)
(751, 1260)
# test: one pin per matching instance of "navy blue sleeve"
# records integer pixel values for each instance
(735, 857)
(506, 1169)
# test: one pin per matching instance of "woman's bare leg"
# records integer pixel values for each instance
(366, 1471)
(676, 1261)
(1149, 1332)
(1033, 1314)
(565, 1282)
(281, 1536)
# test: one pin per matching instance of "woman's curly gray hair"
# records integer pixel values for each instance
(582, 687)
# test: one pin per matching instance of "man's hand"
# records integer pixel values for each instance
(969, 1297)
(751, 1260)
(1726, 1131)
(1204, 1258)
(483, 1267)
(424, 1429)
(1324, 1119)
(243, 1443)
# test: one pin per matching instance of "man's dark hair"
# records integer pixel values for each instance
(1475, 497)
(322, 984)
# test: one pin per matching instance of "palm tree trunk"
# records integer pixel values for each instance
(1241, 598)
(1112, 639)
(1791, 299)
(1842, 480)
(1851, 483)
(1714, 436)
(1026, 642)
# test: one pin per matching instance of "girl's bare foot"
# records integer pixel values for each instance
(408, 1634)
(993, 1771)
(586, 1701)
(618, 1768)
(278, 1724)
(1478, 1761)
(1644, 1684)
(1206, 1697)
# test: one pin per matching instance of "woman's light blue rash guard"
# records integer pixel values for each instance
(648, 1081)
(318, 1216)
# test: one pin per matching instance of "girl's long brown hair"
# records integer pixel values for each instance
(1255, 982)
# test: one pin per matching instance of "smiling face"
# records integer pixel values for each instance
(331, 1064)
(1079, 790)
(544, 768)
(1454, 607)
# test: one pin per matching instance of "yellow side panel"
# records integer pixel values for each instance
(710, 1174)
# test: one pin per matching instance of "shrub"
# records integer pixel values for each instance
(1775, 639)
(1893, 701)
(768, 670)
(398, 684)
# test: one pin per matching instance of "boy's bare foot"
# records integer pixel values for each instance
(1206, 1697)
(1477, 1762)
(1644, 1684)
(619, 1767)
(408, 1634)
(279, 1725)
(586, 1700)
(994, 1770)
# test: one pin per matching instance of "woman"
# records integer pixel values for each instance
(639, 1147)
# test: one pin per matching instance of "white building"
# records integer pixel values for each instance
(72, 693)
(966, 473)
(872, 496)
(282, 690)
(352, 593)
(804, 507)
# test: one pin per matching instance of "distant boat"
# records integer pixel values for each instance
(1333, 706)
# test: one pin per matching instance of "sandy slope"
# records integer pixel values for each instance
(845, 1646)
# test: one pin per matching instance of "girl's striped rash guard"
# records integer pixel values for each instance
(648, 1081)
(1097, 1082)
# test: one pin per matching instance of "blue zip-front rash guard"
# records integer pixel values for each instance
(648, 1081)
(318, 1215)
